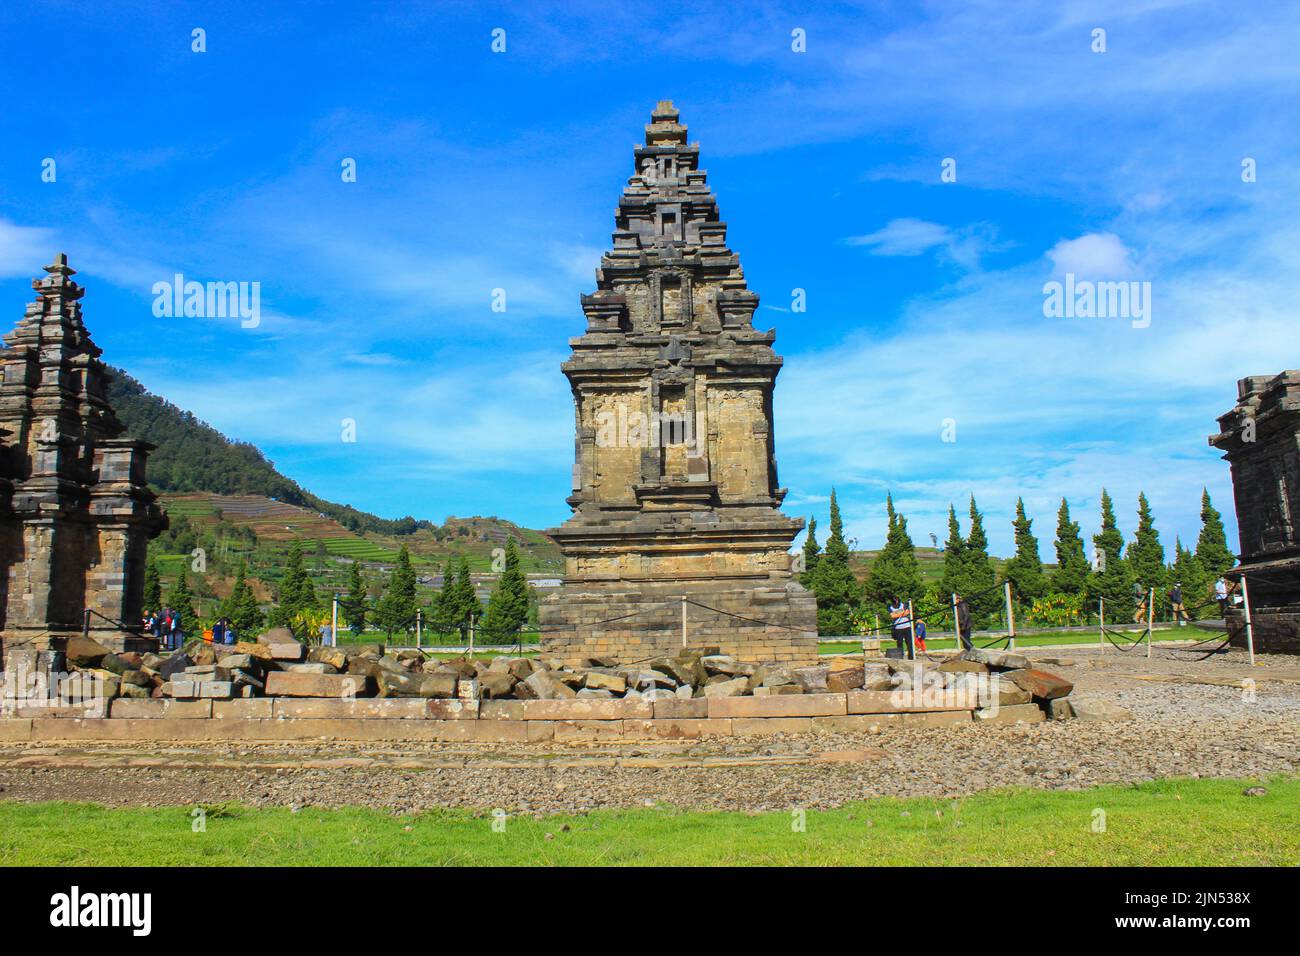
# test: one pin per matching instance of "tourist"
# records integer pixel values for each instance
(165, 627)
(1176, 604)
(177, 632)
(900, 623)
(219, 631)
(920, 636)
(1139, 603)
(1221, 595)
(964, 623)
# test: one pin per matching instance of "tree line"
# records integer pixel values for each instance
(394, 610)
(1065, 595)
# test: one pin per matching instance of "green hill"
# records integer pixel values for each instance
(226, 498)
(192, 456)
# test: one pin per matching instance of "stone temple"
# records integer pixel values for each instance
(75, 511)
(1260, 439)
(676, 507)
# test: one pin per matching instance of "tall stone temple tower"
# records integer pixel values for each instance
(1260, 439)
(75, 511)
(676, 527)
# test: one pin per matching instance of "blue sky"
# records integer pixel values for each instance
(479, 170)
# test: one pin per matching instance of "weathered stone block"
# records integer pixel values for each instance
(1040, 684)
(1015, 714)
(801, 705)
(159, 708)
(583, 710)
(749, 726)
(676, 728)
(997, 660)
(679, 709)
(243, 709)
(1086, 708)
(900, 702)
(286, 684)
(453, 709)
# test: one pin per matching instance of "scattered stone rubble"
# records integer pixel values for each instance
(994, 684)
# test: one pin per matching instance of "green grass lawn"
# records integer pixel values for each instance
(1163, 823)
(1040, 639)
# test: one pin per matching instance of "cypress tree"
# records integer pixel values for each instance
(152, 586)
(954, 557)
(240, 608)
(895, 572)
(1196, 583)
(444, 618)
(1025, 570)
(980, 576)
(811, 552)
(354, 604)
(396, 609)
(464, 605)
(1071, 575)
(837, 590)
(507, 608)
(1212, 545)
(296, 591)
(1111, 578)
(1146, 555)
(459, 604)
(180, 599)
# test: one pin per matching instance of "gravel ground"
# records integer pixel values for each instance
(1179, 728)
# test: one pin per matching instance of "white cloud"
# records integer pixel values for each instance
(904, 237)
(24, 250)
(1092, 256)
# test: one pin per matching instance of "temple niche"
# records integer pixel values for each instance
(676, 506)
(1260, 439)
(76, 513)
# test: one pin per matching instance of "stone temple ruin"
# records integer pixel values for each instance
(76, 513)
(1260, 439)
(677, 534)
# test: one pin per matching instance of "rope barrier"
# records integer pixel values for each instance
(1133, 644)
(741, 617)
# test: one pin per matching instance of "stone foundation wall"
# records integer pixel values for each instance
(1276, 630)
(506, 721)
(573, 621)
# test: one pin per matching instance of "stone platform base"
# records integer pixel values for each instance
(1276, 630)
(627, 621)
(508, 721)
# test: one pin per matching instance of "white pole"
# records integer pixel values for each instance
(683, 620)
(1250, 633)
(471, 636)
(1011, 620)
(956, 628)
(419, 628)
(911, 639)
(1151, 613)
(1101, 624)
(334, 622)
